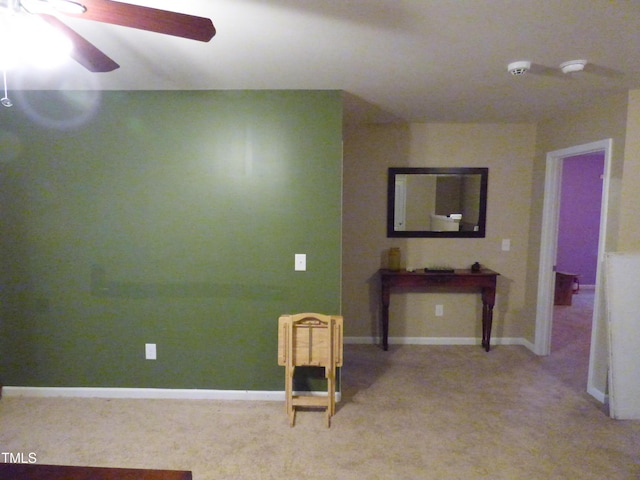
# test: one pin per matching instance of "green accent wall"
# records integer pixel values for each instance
(169, 218)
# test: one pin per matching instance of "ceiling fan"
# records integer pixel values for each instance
(117, 13)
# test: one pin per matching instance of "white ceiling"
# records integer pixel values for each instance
(410, 60)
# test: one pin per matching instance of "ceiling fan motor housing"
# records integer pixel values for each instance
(573, 66)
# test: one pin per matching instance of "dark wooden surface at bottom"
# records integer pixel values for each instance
(26, 471)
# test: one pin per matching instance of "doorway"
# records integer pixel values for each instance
(548, 254)
(576, 265)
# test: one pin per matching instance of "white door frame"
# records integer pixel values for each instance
(549, 244)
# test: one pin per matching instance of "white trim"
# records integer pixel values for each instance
(530, 346)
(154, 393)
(253, 395)
(146, 393)
(189, 394)
(597, 394)
(548, 249)
(440, 341)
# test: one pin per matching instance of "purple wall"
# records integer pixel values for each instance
(579, 228)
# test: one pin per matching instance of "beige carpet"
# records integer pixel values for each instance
(414, 412)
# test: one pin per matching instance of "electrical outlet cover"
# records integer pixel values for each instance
(300, 262)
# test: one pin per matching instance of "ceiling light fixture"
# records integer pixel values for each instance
(519, 68)
(11, 5)
(573, 66)
(26, 39)
(68, 6)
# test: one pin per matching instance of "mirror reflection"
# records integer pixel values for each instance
(437, 202)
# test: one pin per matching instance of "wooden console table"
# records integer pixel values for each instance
(485, 280)
(36, 471)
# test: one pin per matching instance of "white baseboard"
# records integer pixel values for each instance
(147, 393)
(439, 341)
(598, 395)
(526, 343)
(153, 393)
(257, 395)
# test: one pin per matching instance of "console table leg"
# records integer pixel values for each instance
(487, 320)
(385, 327)
(386, 299)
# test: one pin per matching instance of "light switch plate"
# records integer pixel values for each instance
(300, 264)
(506, 244)
(439, 310)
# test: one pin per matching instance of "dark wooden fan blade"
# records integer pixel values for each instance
(83, 52)
(145, 18)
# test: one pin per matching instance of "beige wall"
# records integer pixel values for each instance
(508, 151)
(603, 118)
(516, 157)
(629, 230)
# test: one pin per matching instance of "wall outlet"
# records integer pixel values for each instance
(439, 310)
(150, 351)
(506, 244)
(300, 262)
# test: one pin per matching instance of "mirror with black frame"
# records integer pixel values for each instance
(437, 202)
